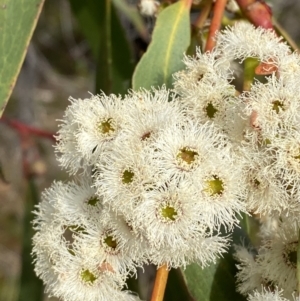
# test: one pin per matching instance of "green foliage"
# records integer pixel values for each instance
(217, 281)
(101, 26)
(176, 289)
(87, 15)
(17, 22)
(171, 38)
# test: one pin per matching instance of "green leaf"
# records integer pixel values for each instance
(17, 23)
(115, 64)
(132, 283)
(87, 14)
(100, 24)
(217, 281)
(171, 37)
(176, 289)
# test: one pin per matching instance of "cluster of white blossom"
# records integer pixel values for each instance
(151, 186)
(159, 173)
(274, 264)
(270, 152)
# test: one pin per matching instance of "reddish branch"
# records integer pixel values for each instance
(218, 11)
(30, 155)
(256, 11)
(24, 129)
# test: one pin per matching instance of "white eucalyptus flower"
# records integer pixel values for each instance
(266, 193)
(204, 87)
(148, 113)
(243, 40)
(169, 215)
(220, 191)
(90, 126)
(182, 149)
(249, 276)
(61, 215)
(122, 176)
(113, 242)
(276, 106)
(83, 279)
(100, 121)
(277, 257)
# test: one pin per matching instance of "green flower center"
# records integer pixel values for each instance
(214, 186)
(169, 213)
(93, 201)
(110, 241)
(267, 141)
(187, 155)
(277, 106)
(127, 176)
(105, 127)
(88, 277)
(211, 110)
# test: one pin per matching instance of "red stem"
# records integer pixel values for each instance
(23, 128)
(218, 12)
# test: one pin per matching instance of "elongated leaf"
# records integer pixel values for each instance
(17, 22)
(88, 14)
(170, 39)
(176, 289)
(216, 282)
(115, 63)
(99, 23)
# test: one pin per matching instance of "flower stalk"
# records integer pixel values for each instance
(218, 12)
(160, 283)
